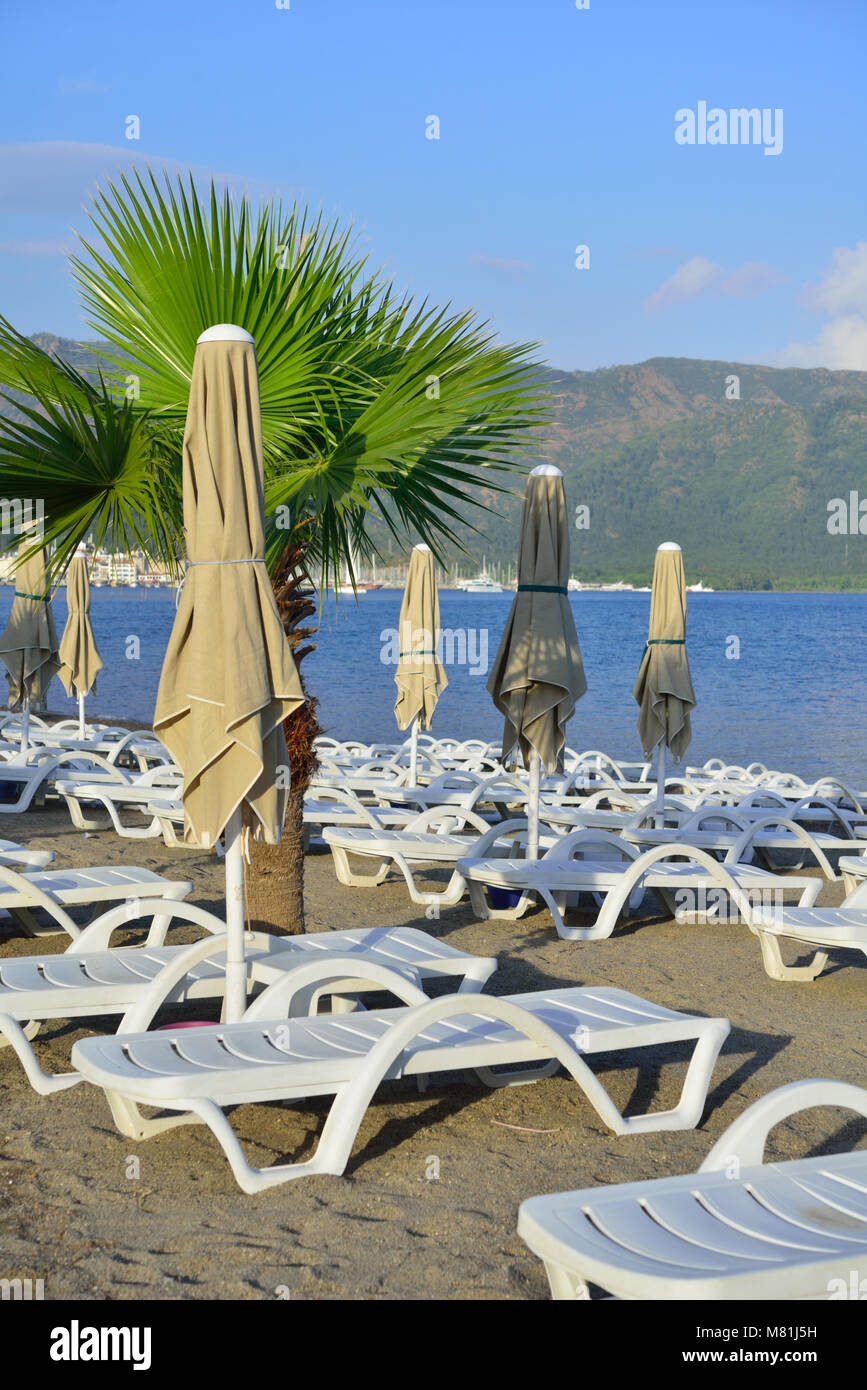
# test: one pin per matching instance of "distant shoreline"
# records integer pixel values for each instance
(142, 590)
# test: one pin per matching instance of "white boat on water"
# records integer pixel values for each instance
(482, 584)
(699, 588)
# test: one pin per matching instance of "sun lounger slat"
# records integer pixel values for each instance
(812, 1201)
(750, 1207)
(728, 1243)
(685, 1216)
(634, 1229)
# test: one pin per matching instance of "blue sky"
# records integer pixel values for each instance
(556, 129)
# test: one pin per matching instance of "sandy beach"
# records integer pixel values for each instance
(73, 1213)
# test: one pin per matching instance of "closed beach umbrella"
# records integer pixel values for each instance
(80, 661)
(420, 676)
(228, 680)
(538, 676)
(664, 686)
(28, 646)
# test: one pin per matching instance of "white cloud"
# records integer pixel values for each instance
(840, 294)
(686, 284)
(840, 345)
(699, 276)
(751, 280)
(843, 286)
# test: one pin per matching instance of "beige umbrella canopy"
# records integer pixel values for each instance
(538, 676)
(28, 646)
(420, 676)
(664, 686)
(228, 680)
(80, 661)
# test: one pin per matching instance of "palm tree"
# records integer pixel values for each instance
(371, 406)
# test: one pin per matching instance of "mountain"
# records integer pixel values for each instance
(738, 463)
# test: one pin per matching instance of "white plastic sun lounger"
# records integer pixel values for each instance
(440, 836)
(13, 853)
(853, 870)
(133, 747)
(117, 797)
(53, 891)
(26, 779)
(90, 980)
(724, 831)
(823, 929)
(169, 815)
(737, 1229)
(337, 806)
(598, 863)
(457, 789)
(265, 1057)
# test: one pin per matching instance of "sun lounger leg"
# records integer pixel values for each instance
(449, 897)
(252, 1179)
(516, 1077)
(565, 1285)
(78, 818)
(132, 1123)
(476, 976)
(478, 901)
(345, 874)
(689, 1109)
(17, 1037)
(777, 969)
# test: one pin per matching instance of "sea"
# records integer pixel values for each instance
(779, 677)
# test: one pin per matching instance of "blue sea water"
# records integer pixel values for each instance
(794, 698)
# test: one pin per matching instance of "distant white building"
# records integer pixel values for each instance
(114, 569)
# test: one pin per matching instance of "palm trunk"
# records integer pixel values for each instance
(275, 874)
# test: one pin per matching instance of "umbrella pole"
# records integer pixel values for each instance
(81, 716)
(533, 807)
(25, 725)
(413, 753)
(660, 784)
(236, 968)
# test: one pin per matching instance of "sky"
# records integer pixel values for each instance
(475, 146)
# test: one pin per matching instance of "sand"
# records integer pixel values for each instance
(428, 1205)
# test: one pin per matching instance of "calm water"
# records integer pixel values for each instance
(795, 698)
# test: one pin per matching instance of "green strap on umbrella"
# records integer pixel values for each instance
(541, 589)
(662, 642)
(39, 598)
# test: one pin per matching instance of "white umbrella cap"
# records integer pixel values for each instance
(225, 333)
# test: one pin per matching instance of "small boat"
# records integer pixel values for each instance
(482, 584)
(699, 588)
